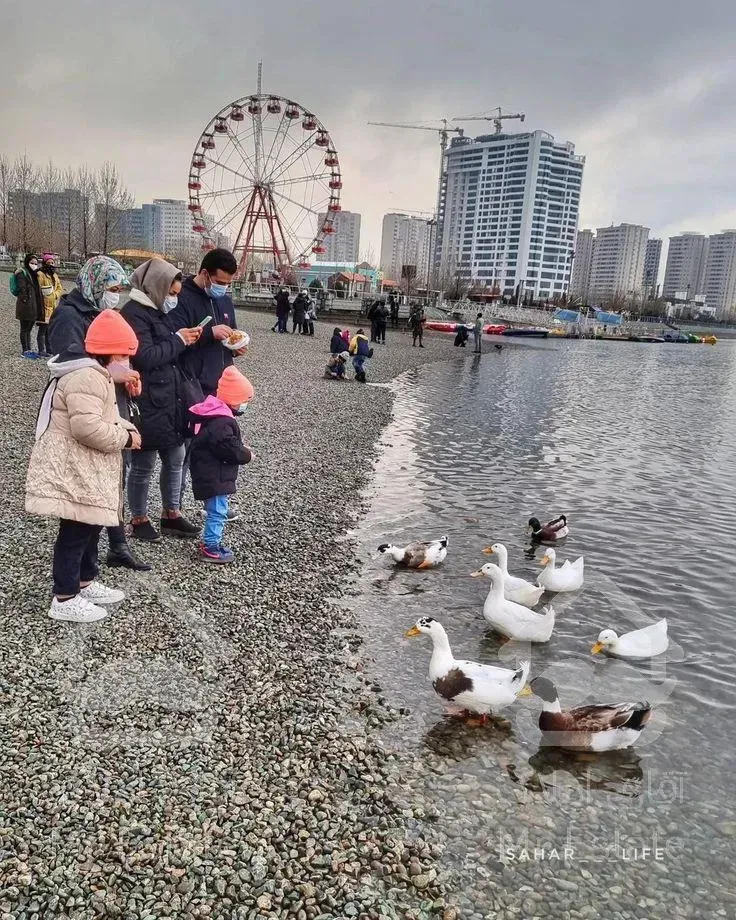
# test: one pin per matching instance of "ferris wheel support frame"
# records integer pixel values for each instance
(251, 218)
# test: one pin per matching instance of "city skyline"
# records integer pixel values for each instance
(621, 103)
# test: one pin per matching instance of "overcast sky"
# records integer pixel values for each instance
(644, 89)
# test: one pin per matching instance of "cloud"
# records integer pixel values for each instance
(642, 89)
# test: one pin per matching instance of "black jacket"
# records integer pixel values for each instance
(206, 360)
(300, 306)
(162, 416)
(67, 329)
(282, 303)
(217, 452)
(337, 344)
(29, 302)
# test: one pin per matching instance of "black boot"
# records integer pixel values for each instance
(121, 556)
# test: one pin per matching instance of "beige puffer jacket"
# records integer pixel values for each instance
(76, 465)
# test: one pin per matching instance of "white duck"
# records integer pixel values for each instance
(475, 687)
(510, 619)
(641, 643)
(417, 555)
(514, 589)
(569, 576)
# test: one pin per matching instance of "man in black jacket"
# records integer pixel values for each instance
(202, 295)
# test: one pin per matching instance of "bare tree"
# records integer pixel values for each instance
(49, 184)
(87, 186)
(6, 183)
(70, 210)
(25, 225)
(112, 199)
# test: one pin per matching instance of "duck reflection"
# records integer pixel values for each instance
(460, 739)
(616, 772)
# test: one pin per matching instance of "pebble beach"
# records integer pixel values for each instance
(208, 749)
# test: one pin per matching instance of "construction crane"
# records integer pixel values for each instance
(495, 115)
(444, 133)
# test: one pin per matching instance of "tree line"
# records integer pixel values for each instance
(72, 212)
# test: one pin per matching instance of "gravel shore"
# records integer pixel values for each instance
(206, 750)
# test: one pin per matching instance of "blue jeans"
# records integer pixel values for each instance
(358, 362)
(216, 509)
(142, 463)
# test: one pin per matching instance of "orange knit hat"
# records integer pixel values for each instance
(109, 334)
(233, 388)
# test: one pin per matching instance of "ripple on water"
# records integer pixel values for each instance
(638, 446)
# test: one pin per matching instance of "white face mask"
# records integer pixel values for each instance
(33, 266)
(119, 370)
(110, 300)
(170, 303)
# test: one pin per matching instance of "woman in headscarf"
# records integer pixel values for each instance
(28, 304)
(51, 292)
(155, 288)
(99, 283)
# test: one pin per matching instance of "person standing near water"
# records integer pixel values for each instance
(99, 284)
(416, 324)
(29, 306)
(478, 332)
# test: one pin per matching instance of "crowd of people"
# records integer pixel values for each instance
(303, 312)
(155, 379)
(38, 290)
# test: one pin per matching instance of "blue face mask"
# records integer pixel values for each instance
(241, 409)
(217, 290)
(170, 302)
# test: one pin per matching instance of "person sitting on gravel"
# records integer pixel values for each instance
(163, 417)
(75, 471)
(361, 350)
(99, 283)
(337, 342)
(217, 452)
(335, 369)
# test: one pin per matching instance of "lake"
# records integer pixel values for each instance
(636, 444)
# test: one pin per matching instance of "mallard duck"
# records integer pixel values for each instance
(474, 687)
(510, 619)
(514, 589)
(641, 643)
(599, 727)
(549, 532)
(569, 576)
(417, 555)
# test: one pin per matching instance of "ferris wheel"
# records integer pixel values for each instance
(265, 176)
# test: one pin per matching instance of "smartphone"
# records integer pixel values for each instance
(207, 319)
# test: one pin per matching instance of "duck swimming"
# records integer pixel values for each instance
(514, 589)
(641, 643)
(477, 688)
(509, 619)
(598, 727)
(417, 555)
(549, 532)
(569, 577)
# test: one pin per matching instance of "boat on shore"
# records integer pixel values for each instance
(529, 332)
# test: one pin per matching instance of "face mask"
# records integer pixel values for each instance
(170, 303)
(217, 290)
(241, 409)
(119, 370)
(33, 266)
(110, 300)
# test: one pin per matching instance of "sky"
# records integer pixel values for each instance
(645, 91)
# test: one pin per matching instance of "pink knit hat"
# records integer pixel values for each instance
(109, 334)
(233, 388)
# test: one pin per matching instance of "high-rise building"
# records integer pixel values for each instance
(720, 273)
(405, 240)
(686, 263)
(582, 263)
(508, 212)
(618, 262)
(652, 257)
(344, 244)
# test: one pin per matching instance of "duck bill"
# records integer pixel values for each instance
(598, 647)
(526, 691)
(544, 560)
(412, 633)
(477, 574)
(488, 551)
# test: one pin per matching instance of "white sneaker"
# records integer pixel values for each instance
(97, 593)
(76, 610)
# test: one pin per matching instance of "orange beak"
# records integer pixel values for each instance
(477, 574)
(598, 647)
(488, 551)
(412, 633)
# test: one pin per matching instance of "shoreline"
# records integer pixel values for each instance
(207, 749)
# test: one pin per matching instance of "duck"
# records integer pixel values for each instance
(569, 577)
(509, 619)
(514, 589)
(598, 727)
(556, 529)
(417, 555)
(641, 643)
(475, 687)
